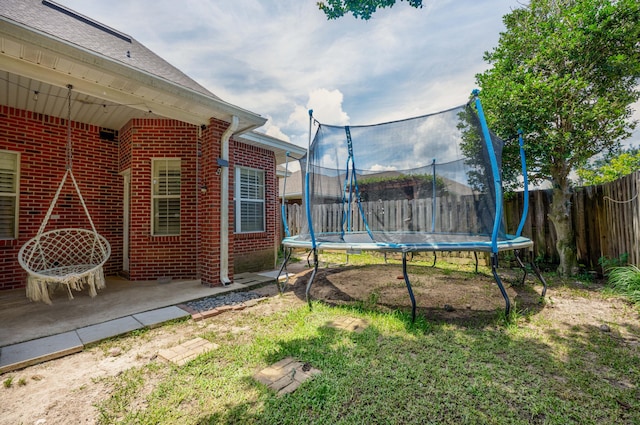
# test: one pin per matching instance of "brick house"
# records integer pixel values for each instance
(134, 119)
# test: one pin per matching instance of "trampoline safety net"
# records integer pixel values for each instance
(408, 182)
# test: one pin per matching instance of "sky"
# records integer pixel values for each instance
(280, 58)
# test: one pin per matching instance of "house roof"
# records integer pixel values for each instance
(280, 147)
(46, 46)
(293, 188)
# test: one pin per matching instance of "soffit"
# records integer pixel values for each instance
(106, 92)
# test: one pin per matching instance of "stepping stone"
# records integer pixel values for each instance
(286, 376)
(187, 351)
(349, 324)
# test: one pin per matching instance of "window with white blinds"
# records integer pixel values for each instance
(166, 196)
(9, 178)
(249, 200)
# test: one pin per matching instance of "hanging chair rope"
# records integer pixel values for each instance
(68, 172)
(70, 257)
(69, 152)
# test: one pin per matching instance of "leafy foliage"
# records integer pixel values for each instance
(473, 148)
(418, 179)
(610, 263)
(566, 73)
(362, 9)
(610, 168)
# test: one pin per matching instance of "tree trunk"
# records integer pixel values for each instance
(560, 215)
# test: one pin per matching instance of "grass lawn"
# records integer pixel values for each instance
(394, 372)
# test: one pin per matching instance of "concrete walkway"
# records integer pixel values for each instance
(32, 332)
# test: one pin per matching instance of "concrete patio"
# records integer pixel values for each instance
(34, 332)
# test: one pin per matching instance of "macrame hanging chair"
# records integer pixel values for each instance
(70, 257)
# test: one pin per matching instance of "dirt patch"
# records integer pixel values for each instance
(468, 298)
(66, 390)
(439, 295)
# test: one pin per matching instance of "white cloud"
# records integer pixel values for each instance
(327, 106)
(274, 131)
(278, 57)
(378, 167)
(438, 134)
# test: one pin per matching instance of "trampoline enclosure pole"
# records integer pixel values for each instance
(495, 171)
(498, 192)
(283, 211)
(433, 197)
(306, 186)
(523, 161)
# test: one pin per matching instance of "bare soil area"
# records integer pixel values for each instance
(66, 390)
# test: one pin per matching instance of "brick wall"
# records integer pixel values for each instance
(152, 257)
(255, 251)
(195, 253)
(209, 201)
(41, 141)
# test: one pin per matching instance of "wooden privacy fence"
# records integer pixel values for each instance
(606, 219)
(453, 214)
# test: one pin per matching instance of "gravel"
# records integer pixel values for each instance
(210, 303)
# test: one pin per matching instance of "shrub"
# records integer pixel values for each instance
(626, 280)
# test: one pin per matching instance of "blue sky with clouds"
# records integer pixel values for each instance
(279, 58)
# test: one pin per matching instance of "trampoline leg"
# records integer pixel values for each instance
(313, 275)
(406, 280)
(435, 257)
(494, 267)
(475, 254)
(536, 270)
(283, 267)
(522, 266)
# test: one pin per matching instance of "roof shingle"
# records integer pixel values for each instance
(65, 24)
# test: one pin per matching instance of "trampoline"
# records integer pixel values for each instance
(425, 184)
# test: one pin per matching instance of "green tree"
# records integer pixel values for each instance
(610, 168)
(362, 9)
(566, 72)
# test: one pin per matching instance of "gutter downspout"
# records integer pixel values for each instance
(224, 201)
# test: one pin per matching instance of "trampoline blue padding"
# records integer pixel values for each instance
(411, 242)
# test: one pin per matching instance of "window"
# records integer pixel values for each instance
(9, 165)
(249, 200)
(166, 196)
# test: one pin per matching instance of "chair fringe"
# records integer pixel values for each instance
(39, 289)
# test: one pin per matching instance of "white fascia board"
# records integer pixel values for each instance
(292, 195)
(273, 143)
